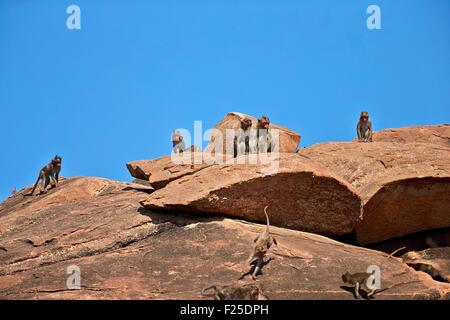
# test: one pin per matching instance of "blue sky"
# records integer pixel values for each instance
(113, 91)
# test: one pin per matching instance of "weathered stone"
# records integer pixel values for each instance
(434, 261)
(159, 172)
(437, 134)
(126, 252)
(288, 139)
(405, 187)
(300, 195)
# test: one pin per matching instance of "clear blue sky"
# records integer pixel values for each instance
(113, 91)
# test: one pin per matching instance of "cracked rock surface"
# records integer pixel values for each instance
(127, 252)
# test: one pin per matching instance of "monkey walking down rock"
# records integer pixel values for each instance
(263, 242)
(49, 174)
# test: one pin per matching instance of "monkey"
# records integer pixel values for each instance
(364, 128)
(235, 292)
(178, 144)
(361, 280)
(264, 138)
(13, 191)
(49, 174)
(263, 242)
(241, 144)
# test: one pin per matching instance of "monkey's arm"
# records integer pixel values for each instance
(370, 130)
(358, 130)
(274, 241)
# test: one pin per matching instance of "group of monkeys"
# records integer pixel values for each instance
(243, 143)
(252, 291)
(260, 140)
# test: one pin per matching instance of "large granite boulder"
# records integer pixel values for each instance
(126, 252)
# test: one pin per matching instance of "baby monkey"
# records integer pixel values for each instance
(48, 174)
(263, 242)
(364, 128)
(363, 280)
(235, 292)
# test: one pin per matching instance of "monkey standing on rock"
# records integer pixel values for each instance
(48, 174)
(366, 281)
(361, 280)
(364, 128)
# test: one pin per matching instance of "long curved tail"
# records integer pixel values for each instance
(267, 217)
(34, 188)
(204, 293)
(395, 251)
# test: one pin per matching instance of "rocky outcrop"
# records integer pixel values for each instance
(404, 187)
(159, 172)
(433, 261)
(288, 139)
(437, 134)
(126, 252)
(301, 195)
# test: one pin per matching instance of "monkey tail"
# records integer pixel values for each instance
(204, 290)
(34, 188)
(395, 251)
(267, 217)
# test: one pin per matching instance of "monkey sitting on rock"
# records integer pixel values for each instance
(265, 140)
(364, 128)
(243, 143)
(49, 174)
(178, 144)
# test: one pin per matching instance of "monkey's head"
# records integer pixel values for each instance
(263, 122)
(56, 161)
(246, 123)
(345, 277)
(364, 116)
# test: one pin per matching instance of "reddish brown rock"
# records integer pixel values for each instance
(405, 187)
(126, 252)
(159, 172)
(433, 261)
(288, 139)
(300, 195)
(438, 134)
